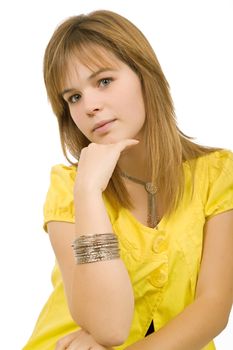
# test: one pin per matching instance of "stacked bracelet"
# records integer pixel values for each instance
(98, 247)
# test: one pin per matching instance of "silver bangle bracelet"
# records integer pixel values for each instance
(97, 247)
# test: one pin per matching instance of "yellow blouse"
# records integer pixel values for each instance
(163, 263)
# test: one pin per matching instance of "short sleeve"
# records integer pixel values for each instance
(59, 202)
(220, 175)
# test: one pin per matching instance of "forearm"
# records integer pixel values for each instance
(102, 295)
(194, 328)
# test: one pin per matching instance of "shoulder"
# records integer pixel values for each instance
(61, 174)
(213, 157)
(62, 178)
(58, 204)
(214, 176)
(63, 170)
(217, 158)
(216, 165)
(212, 164)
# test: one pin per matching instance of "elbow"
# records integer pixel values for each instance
(108, 333)
(119, 335)
(106, 336)
(216, 309)
(111, 339)
(223, 314)
(223, 323)
(219, 327)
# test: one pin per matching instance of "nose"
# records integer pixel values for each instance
(92, 103)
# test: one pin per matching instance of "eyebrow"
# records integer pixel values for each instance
(92, 76)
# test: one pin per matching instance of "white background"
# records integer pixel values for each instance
(193, 41)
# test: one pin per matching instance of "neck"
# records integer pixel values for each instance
(133, 162)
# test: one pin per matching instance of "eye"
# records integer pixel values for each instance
(105, 81)
(74, 98)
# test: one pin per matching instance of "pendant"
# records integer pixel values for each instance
(151, 217)
(150, 188)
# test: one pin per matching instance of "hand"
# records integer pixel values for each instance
(79, 340)
(97, 163)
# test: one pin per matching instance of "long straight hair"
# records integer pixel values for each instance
(84, 37)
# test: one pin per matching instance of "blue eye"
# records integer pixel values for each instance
(74, 98)
(105, 81)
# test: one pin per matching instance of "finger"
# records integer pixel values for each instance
(64, 342)
(128, 141)
(84, 342)
(124, 144)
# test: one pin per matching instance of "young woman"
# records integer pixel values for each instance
(141, 225)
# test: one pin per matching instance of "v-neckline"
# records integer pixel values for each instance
(145, 227)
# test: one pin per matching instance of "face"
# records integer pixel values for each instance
(106, 103)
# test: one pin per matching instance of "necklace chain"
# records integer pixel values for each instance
(151, 190)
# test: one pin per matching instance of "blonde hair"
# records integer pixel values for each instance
(166, 146)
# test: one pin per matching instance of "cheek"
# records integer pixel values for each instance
(134, 104)
(139, 105)
(80, 122)
(75, 115)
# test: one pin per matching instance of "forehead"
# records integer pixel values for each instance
(92, 57)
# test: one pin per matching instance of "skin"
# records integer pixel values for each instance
(113, 94)
(79, 340)
(91, 101)
(207, 316)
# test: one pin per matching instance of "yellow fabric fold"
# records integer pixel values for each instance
(163, 263)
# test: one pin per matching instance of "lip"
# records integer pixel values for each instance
(102, 123)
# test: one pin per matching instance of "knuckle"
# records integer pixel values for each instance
(91, 145)
(59, 343)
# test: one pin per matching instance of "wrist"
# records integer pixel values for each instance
(91, 216)
(86, 193)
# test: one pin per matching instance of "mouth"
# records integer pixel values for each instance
(103, 125)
